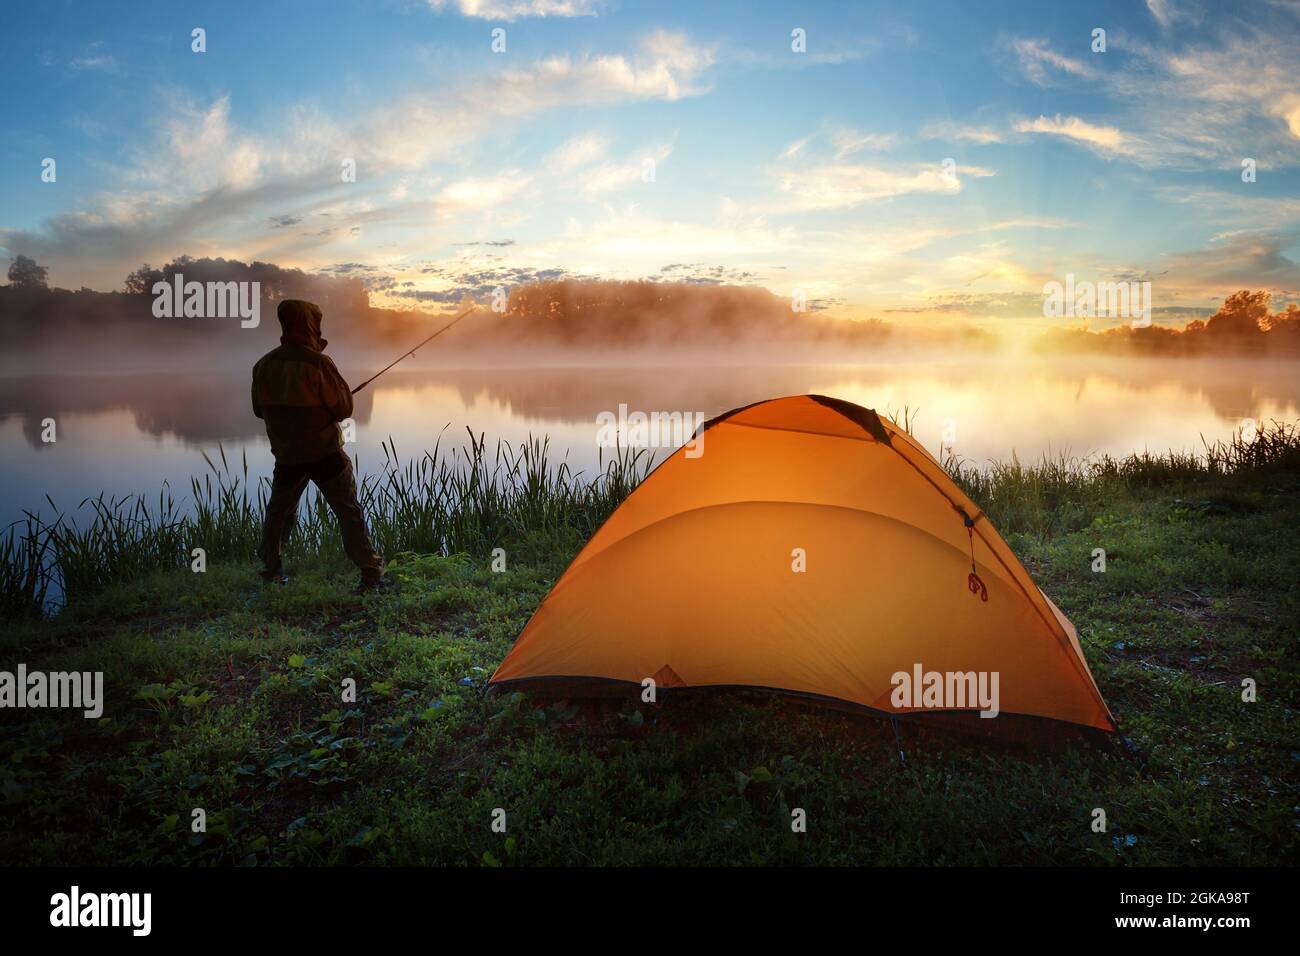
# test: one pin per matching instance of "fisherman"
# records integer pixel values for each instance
(299, 393)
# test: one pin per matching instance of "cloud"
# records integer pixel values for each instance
(1178, 281)
(608, 177)
(825, 180)
(795, 148)
(1255, 72)
(625, 241)
(421, 127)
(199, 149)
(1005, 304)
(1191, 106)
(101, 62)
(203, 185)
(1036, 58)
(699, 273)
(451, 281)
(845, 185)
(1160, 10)
(885, 244)
(849, 141)
(1248, 260)
(93, 59)
(1242, 210)
(581, 162)
(1166, 12)
(957, 132)
(510, 10)
(1106, 139)
(480, 192)
(576, 153)
(822, 51)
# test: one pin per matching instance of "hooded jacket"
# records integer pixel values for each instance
(298, 391)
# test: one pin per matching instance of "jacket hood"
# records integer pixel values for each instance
(300, 324)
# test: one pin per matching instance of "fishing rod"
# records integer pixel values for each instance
(412, 351)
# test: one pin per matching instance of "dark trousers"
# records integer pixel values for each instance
(334, 477)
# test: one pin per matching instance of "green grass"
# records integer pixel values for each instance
(468, 499)
(224, 694)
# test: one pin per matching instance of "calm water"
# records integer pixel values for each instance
(125, 434)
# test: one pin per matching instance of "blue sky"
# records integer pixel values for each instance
(822, 170)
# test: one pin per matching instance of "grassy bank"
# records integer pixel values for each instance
(467, 499)
(223, 694)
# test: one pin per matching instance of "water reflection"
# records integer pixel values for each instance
(124, 434)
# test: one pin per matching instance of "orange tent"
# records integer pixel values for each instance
(815, 549)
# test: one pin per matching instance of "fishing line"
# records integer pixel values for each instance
(412, 351)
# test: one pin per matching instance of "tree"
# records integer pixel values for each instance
(1288, 318)
(1284, 328)
(26, 274)
(1242, 315)
(142, 280)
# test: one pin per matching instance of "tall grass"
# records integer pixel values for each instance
(25, 567)
(466, 499)
(472, 499)
(1062, 493)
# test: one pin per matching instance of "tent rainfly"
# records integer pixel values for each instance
(814, 549)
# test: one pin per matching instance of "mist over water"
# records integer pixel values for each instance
(140, 400)
(126, 434)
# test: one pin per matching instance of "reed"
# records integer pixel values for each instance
(472, 498)
(1062, 493)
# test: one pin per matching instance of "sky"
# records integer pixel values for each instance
(919, 162)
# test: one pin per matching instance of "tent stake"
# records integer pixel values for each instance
(897, 740)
